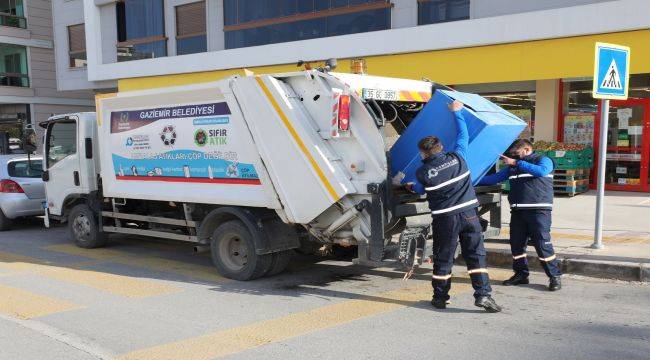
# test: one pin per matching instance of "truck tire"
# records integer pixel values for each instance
(280, 262)
(233, 252)
(84, 228)
(5, 222)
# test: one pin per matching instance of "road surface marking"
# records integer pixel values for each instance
(235, 340)
(64, 337)
(643, 238)
(115, 284)
(27, 305)
(186, 269)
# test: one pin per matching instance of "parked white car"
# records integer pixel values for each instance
(22, 191)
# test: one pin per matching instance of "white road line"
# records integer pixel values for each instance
(69, 339)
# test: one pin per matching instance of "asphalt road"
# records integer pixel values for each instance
(154, 300)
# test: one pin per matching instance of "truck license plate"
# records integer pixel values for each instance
(379, 94)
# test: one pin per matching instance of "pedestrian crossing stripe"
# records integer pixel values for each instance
(612, 79)
(22, 304)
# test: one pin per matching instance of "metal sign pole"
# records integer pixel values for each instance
(602, 159)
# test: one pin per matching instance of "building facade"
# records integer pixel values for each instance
(534, 58)
(28, 87)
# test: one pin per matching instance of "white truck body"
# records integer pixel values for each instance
(286, 143)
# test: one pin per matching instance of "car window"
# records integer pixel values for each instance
(25, 169)
(62, 141)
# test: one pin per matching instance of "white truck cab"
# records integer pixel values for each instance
(71, 167)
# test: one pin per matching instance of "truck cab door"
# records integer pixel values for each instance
(61, 161)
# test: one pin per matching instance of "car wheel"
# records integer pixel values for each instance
(84, 228)
(5, 222)
(233, 252)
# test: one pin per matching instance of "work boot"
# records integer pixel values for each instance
(487, 303)
(517, 279)
(439, 303)
(555, 283)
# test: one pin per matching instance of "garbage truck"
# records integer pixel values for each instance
(252, 168)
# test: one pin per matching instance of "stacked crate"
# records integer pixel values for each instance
(572, 167)
(570, 181)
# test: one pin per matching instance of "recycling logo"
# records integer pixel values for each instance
(200, 137)
(168, 135)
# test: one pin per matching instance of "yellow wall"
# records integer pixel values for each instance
(532, 60)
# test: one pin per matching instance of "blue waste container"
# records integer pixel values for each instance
(491, 131)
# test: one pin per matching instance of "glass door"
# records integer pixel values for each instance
(628, 145)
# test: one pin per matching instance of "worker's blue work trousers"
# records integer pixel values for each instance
(447, 231)
(536, 225)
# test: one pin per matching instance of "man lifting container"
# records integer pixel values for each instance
(445, 177)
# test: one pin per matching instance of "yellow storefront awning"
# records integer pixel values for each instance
(531, 60)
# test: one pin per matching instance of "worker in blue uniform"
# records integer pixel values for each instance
(446, 180)
(531, 202)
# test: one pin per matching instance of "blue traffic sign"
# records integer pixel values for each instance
(611, 71)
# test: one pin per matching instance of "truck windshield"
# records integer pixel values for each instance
(61, 141)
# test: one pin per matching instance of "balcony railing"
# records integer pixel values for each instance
(14, 79)
(13, 21)
(142, 48)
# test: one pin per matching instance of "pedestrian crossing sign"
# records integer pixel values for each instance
(611, 71)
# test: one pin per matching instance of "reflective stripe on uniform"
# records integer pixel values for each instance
(531, 205)
(455, 207)
(519, 256)
(441, 277)
(550, 258)
(476, 271)
(451, 181)
(528, 175)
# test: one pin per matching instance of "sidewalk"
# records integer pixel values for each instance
(626, 255)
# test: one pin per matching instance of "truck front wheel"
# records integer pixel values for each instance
(233, 252)
(84, 228)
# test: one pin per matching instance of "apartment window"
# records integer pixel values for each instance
(12, 13)
(438, 11)
(140, 30)
(190, 28)
(259, 22)
(77, 45)
(13, 66)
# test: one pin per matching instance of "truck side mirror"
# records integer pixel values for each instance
(29, 140)
(45, 176)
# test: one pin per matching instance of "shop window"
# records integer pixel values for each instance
(190, 28)
(439, 11)
(13, 66)
(578, 112)
(12, 14)
(77, 45)
(521, 105)
(259, 22)
(13, 118)
(140, 30)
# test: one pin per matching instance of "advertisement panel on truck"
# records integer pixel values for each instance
(188, 143)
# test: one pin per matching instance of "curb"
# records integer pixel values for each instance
(615, 270)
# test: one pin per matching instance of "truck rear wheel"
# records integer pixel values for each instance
(84, 228)
(233, 252)
(281, 260)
